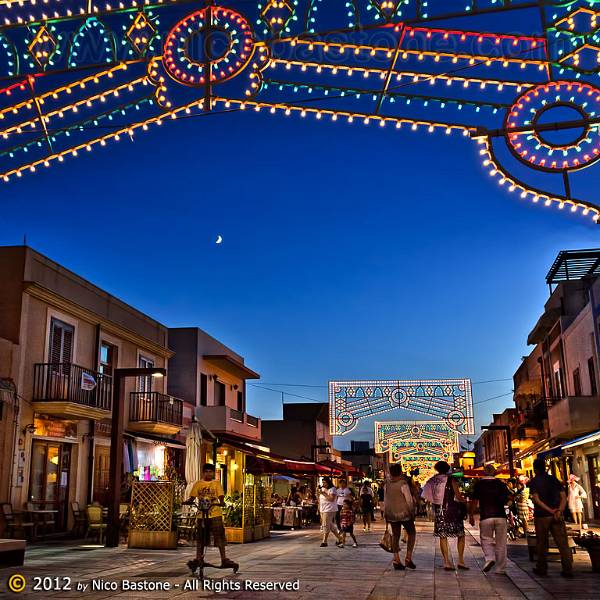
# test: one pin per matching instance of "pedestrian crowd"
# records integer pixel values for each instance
(502, 507)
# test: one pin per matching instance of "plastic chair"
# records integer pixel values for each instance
(95, 523)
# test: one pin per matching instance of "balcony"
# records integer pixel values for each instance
(153, 412)
(573, 416)
(223, 419)
(71, 392)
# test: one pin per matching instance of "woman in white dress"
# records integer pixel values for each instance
(576, 495)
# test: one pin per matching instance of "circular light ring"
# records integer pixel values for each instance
(185, 69)
(530, 146)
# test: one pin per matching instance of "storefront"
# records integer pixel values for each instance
(153, 459)
(53, 467)
(585, 463)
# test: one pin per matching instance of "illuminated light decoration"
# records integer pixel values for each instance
(141, 33)
(436, 434)
(349, 6)
(395, 71)
(186, 69)
(513, 184)
(43, 47)
(447, 399)
(277, 15)
(99, 37)
(526, 141)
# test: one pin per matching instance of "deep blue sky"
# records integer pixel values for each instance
(348, 252)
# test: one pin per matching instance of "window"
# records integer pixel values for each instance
(576, 382)
(203, 389)
(219, 393)
(592, 373)
(108, 355)
(240, 401)
(145, 383)
(61, 342)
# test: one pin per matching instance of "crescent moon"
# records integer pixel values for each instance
(219, 239)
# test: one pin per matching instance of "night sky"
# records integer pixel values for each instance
(348, 251)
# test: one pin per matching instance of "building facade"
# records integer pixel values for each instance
(61, 338)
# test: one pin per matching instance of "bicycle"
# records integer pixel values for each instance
(204, 506)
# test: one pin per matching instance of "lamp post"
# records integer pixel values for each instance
(116, 445)
(506, 428)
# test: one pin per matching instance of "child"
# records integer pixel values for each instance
(347, 521)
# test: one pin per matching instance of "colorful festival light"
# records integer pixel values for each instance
(75, 74)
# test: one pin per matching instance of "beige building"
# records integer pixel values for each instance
(61, 337)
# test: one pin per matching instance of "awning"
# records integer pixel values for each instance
(586, 439)
(553, 452)
(155, 440)
(231, 365)
(533, 449)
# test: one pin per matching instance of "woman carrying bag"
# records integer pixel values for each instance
(399, 511)
(450, 510)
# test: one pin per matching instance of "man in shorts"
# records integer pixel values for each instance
(209, 493)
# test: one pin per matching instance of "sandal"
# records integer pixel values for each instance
(464, 567)
(398, 566)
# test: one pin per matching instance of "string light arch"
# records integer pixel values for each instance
(386, 63)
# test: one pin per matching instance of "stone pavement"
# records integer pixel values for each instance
(351, 573)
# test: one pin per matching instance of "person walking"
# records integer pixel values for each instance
(491, 495)
(444, 494)
(347, 518)
(549, 500)
(576, 496)
(343, 493)
(367, 503)
(399, 512)
(328, 508)
(522, 501)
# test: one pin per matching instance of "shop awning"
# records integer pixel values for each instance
(551, 452)
(533, 449)
(154, 440)
(586, 439)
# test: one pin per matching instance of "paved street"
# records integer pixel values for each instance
(357, 573)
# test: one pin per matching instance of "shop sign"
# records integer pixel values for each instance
(58, 428)
(88, 383)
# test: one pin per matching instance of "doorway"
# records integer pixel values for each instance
(49, 479)
(101, 475)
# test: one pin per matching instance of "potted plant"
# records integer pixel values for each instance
(591, 542)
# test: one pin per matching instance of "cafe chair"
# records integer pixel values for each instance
(15, 522)
(95, 523)
(79, 520)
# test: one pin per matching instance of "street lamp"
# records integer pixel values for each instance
(116, 445)
(506, 428)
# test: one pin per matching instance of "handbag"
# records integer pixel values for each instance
(386, 540)
(453, 510)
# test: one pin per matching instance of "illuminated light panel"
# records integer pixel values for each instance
(448, 399)
(141, 33)
(43, 46)
(415, 434)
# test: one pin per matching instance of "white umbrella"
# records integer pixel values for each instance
(193, 449)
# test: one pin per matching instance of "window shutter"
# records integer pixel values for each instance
(67, 349)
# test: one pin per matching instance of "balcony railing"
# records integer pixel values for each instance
(67, 382)
(236, 415)
(156, 408)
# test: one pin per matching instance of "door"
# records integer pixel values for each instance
(101, 474)
(594, 471)
(49, 479)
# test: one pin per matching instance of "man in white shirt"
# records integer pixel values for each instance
(328, 509)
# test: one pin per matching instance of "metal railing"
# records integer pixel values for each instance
(155, 407)
(236, 415)
(67, 382)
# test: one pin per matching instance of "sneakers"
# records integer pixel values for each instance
(340, 544)
(355, 545)
(323, 544)
(488, 566)
(193, 565)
